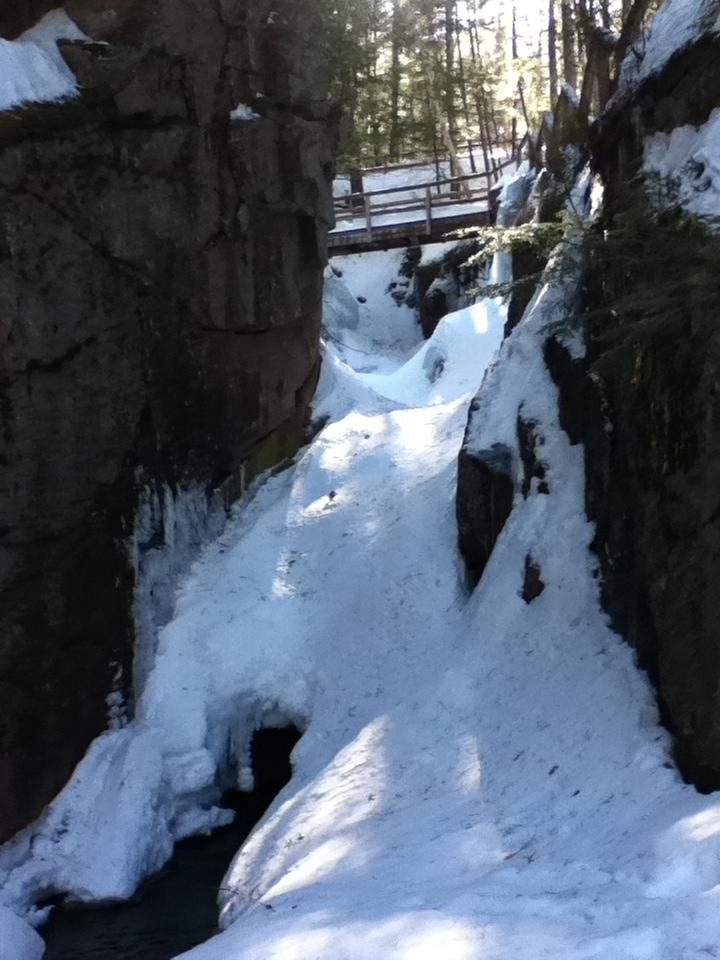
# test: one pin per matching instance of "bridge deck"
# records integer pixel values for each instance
(392, 235)
(413, 212)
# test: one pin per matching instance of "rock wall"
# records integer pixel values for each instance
(651, 417)
(645, 402)
(16, 16)
(160, 290)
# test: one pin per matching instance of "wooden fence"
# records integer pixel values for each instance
(360, 212)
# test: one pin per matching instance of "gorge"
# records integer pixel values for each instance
(457, 533)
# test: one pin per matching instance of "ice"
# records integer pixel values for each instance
(32, 69)
(341, 310)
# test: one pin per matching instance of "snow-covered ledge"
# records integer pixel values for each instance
(32, 68)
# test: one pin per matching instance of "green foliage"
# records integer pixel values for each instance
(652, 264)
(538, 239)
(413, 71)
(541, 238)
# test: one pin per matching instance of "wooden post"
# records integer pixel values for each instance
(368, 218)
(356, 183)
(472, 157)
(428, 211)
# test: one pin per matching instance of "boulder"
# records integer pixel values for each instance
(485, 493)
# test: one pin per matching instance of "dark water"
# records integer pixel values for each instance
(177, 909)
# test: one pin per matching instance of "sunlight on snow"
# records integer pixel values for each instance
(702, 826)
(479, 317)
(469, 771)
(319, 864)
(415, 936)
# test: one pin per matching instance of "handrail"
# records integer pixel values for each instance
(359, 206)
(407, 206)
(428, 184)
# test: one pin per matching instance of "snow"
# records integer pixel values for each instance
(446, 367)
(676, 25)
(689, 157)
(32, 69)
(478, 778)
(368, 305)
(244, 112)
(18, 940)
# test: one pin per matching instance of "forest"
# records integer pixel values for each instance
(421, 78)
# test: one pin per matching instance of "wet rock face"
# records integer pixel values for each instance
(485, 492)
(652, 435)
(160, 291)
(533, 583)
(16, 16)
(445, 285)
(652, 488)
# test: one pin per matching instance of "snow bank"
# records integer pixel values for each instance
(32, 69)
(369, 311)
(18, 941)
(689, 157)
(675, 26)
(451, 363)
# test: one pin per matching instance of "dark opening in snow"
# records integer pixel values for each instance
(176, 909)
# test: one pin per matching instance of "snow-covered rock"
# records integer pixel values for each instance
(676, 25)
(32, 69)
(689, 158)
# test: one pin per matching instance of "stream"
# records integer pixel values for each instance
(177, 908)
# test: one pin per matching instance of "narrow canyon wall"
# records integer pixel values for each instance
(160, 298)
(645, 401)
(652, 435)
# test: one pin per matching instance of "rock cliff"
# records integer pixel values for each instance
(644, 401)
(160, 280)
(652, 435)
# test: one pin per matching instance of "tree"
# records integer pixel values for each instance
(552, 51)
(570, 63)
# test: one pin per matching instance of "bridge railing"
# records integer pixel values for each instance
(355, 212)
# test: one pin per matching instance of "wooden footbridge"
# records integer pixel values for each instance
(412, 212)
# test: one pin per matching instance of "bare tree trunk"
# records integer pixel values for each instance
(596, 84)
(570, 66)
(552, 53)
(395, 76)
(605, 14)
(514, 53)
(632, 27)
(450, 67)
